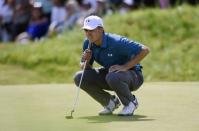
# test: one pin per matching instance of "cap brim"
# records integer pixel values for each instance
(88, 28)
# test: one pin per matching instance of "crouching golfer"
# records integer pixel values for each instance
(120, 72)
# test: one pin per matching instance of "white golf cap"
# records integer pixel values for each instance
(37, 4)
(92, 22)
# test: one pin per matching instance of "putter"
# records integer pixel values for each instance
(78, 89)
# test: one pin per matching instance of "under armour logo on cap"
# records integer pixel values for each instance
(92, 22)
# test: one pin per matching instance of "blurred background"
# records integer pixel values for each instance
(41, 40)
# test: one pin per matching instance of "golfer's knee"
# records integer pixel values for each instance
(85, 80)
(77, 78)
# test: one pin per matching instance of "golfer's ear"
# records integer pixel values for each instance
(101, 29)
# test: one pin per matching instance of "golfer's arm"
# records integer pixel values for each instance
(144, 52)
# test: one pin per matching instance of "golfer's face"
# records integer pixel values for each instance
(93, 35)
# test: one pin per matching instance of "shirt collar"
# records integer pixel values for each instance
(104, 41)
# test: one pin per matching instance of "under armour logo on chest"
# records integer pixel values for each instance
(110, 54)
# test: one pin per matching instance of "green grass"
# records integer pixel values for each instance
(167, 106)
(16, 74)
(172, 36)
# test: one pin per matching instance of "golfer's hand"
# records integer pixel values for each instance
(86, 56)
(117, 68)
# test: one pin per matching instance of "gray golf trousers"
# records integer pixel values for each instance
(96, 81)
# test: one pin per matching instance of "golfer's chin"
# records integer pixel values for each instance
(92, 40)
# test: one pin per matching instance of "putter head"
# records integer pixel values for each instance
(71, 115)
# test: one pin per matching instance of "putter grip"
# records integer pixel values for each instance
(85, 62)
(89, 47)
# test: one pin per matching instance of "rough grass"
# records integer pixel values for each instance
(172, 36)
(162, 107)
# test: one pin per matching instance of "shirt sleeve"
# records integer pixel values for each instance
(129, 48)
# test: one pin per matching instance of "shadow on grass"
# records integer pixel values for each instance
(112, 118)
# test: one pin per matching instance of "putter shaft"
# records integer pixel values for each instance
(78, 88)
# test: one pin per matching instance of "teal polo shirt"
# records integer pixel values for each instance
(114, 50)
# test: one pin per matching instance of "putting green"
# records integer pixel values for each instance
(164, 106)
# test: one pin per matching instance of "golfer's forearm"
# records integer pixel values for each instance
(137, 58)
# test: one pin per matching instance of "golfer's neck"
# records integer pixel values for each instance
(99, 41)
